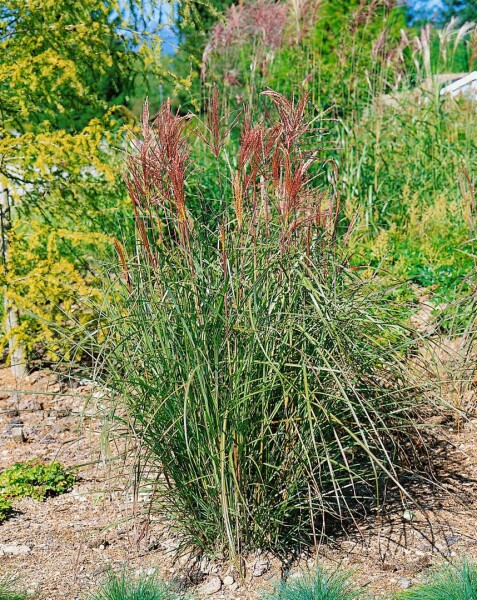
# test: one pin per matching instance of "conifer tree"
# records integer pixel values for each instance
(68, 68)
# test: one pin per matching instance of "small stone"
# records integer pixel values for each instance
(60, 413)
(13, 412)
(18, 435)
(228, 580)
(34, 377)
(152, 544)
(408, 515)
(212, 586)
(185, 559)
(77, 496)
(260, 567)
(404, 583)
(101, 569)
(29, 405)
(204, 565)
(48, 439)
(234, 587)
(452, 539)
(12, 550)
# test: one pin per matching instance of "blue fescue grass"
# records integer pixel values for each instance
(321, 585)
(9, 589)
(123, 586)
(448, 582)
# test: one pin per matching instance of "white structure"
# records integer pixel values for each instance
(465, 86)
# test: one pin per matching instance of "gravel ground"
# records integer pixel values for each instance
(63, 546)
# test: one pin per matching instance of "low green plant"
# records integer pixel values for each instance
(34, 479)
(9, 589)
(448, 582)
(321, 585)
(5, 509)
(124, 587)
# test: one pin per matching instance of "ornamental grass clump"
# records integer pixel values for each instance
(9, 589)
(125, 587)
(449, 582)
(321, 585)
(266, 381)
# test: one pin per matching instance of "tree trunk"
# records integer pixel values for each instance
(17, 352)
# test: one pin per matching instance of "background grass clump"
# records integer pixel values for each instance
(267, 382)
(406, 156)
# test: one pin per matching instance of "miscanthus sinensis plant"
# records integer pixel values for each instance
(268, 384)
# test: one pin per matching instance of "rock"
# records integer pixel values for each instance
(228, 580)
(99, 542)
(12, 550)
(171, 544)
(404, 583)
(187, 559)
(32, 590)
(60, 413)
(204, 566)
(18, 435)
(408, 515)
(101, 569)
(34, 377)
(13, 412)
(260, 567)
(30, 405)
(48, 439)
(234, 587)
(12, 424)
(212, 586)
(452, 539)
(152, 544)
